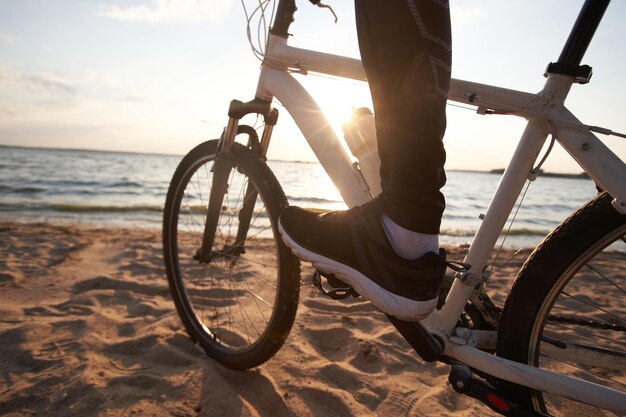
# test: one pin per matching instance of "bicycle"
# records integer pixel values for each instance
(512, 358)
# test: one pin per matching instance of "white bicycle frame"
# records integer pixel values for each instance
(546, 114)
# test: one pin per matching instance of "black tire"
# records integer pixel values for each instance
(239, 307)
(557, 295)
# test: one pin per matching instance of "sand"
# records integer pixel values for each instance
(88, 328)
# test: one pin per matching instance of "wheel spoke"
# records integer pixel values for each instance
(584, 354)
(593, 305)
(586, 371)
(581, 333)
(604, 277)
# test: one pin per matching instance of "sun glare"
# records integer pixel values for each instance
(337, 98)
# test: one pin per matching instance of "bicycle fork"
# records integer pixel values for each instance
(222, 167)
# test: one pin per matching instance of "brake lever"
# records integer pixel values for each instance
(319, 3)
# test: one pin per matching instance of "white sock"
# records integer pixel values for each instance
(407, 243)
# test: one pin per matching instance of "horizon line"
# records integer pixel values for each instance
(490, 171)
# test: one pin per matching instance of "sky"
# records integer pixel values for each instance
(157, 75)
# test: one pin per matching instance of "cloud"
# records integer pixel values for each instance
(22, 93)
(50, 83)
(4, 38)
(157, 11)
(94, 77)
(121, 89)
(30, 93)
(134, 98)
(40, 83)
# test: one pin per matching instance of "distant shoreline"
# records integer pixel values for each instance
(581, 176)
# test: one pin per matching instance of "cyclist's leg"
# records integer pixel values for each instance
(407, 86)
(406, 51)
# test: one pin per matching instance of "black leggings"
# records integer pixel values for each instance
(406, 52)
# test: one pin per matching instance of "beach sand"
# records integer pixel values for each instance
(87, 327)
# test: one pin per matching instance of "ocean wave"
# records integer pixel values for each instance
(124, 184)
(146, 208)
(526, 232)
(22, 190)
(50, 183)
(312, 200)
(81, 208)
(153, 209)
(111, 209)
(75, 191)
(459, 232)
(71, 185)
(447, 216)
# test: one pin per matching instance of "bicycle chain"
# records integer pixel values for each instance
(588, 323)
(577, 321)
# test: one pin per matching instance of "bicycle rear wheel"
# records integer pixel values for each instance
(238, 300)
(566, 310)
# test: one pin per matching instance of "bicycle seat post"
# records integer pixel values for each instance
(579, 39)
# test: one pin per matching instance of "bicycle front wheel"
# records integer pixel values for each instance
(566, 310)
(237, 300)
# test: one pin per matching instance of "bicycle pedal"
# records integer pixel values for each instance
(333, 281)
(340, 290)
(462, 380)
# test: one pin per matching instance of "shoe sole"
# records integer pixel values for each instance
(389, 303)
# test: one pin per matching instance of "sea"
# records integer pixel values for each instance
(113, 189)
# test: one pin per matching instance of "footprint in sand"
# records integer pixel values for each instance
(362, 387)
(76, 307)
(17, 356)
(398, 404)
(59, 348)
(152, 350)
(41, 311)
(140, 300)
(104, 282)
(6, 279)
(331, 343)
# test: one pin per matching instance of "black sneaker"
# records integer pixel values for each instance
(353, 246)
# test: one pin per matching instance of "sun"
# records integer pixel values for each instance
(337, 98)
